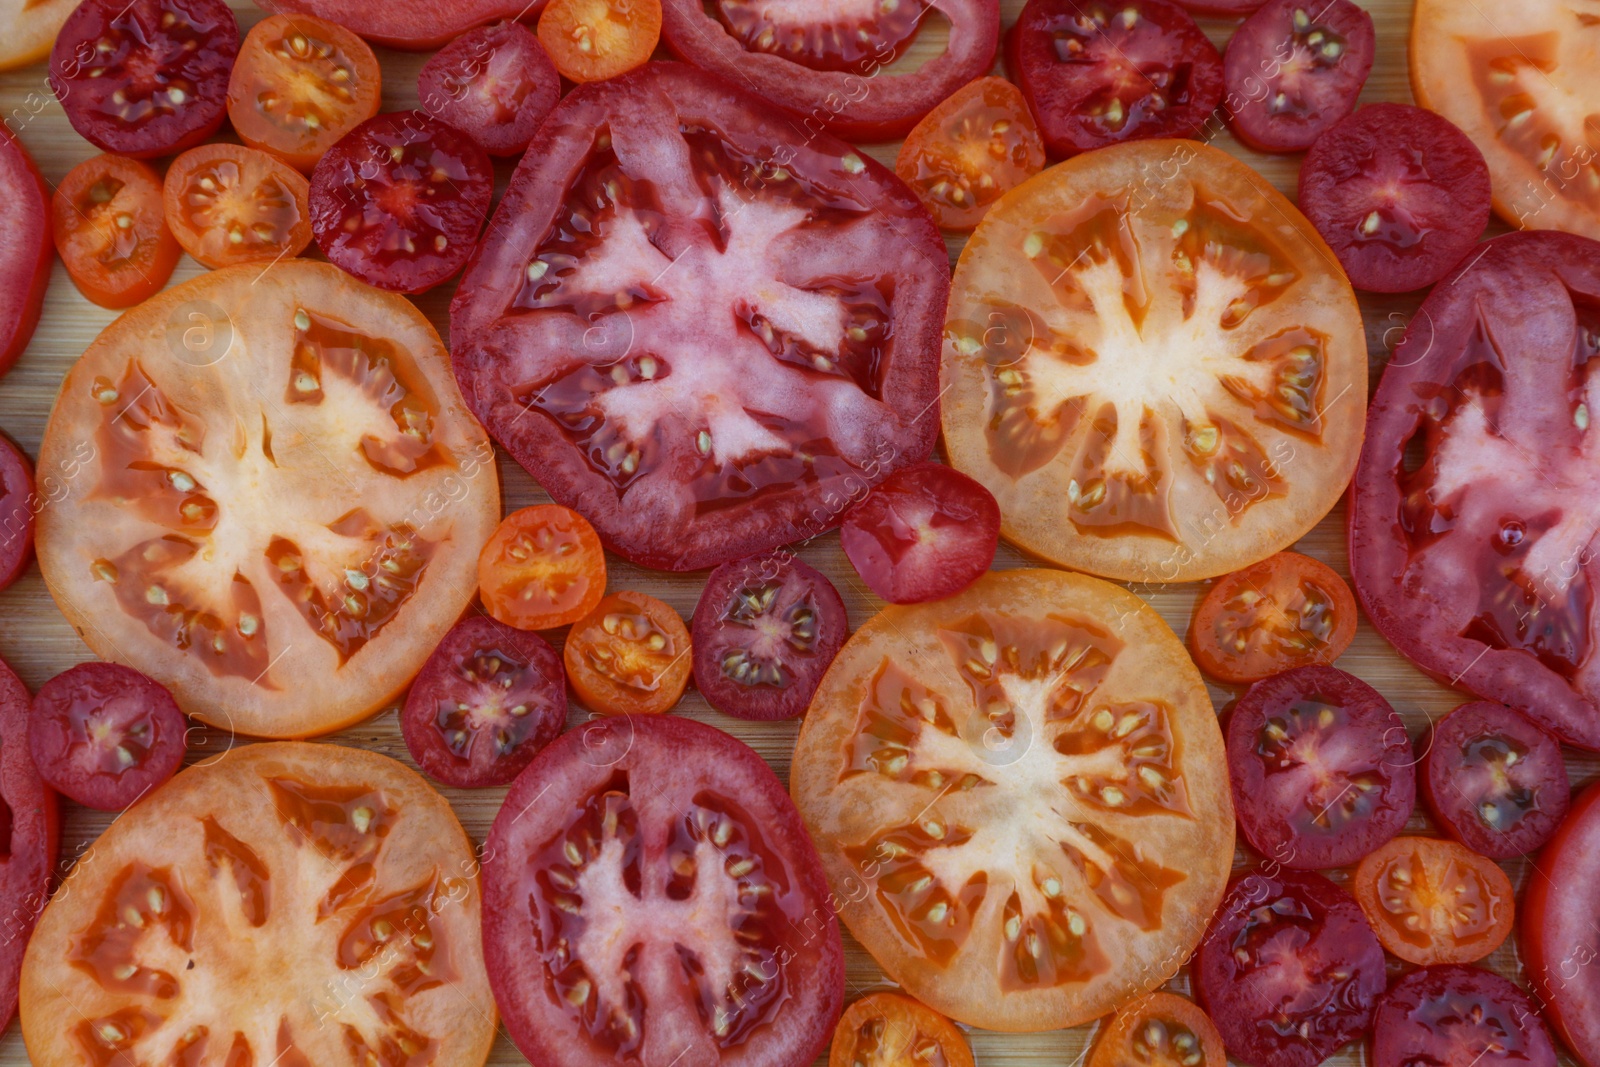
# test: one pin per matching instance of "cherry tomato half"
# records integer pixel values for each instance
(1287, 611)
(892, 1030)
(631, 655)
(970, 151)
(1294, 69)
(1159, 1030)
(18, 509)
(1434, 901)
(111, 231)
(105, 735)
(543, 568)
(925, 533)
(592, 40)
(227, 205)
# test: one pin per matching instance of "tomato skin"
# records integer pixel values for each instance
(531, 548)
(27, 869)
(1454, 1014)
(1319, 607)
(1321, 83)
(481, 75)
(924, 533)
(1434, 882)
(1559, 929)
(18, 510)
(1174, 1020)
(409, 25)
(605, 647)
(207, 222)
(978, 145)
(27, 251)
(1466, 767)
(592, 40)
(890, 1029)
(94, 244)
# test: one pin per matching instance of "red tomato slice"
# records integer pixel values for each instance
(631, 655)
(412, 25)
(650, 893)
(1450, 1015)
(18, 508)
(702, 393)
(495, 84)
(591, 40)
(923, 533)
(227, 205)
(1159, 1030)
(111, 229)
(543, 568)
(25, 249)
(27, 867)
(889, 1030)
(1287, 611)
(1294, 69)
(1494, 781)
(1433, 901)
(1559, 931)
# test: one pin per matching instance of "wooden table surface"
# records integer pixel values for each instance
(38, 643)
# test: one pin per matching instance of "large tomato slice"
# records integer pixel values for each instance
(414, 25)
(1154, 363)
(291, 904)
(651, 897)
(1020, 798)
(1472, 523)
(702, 332)
(1559, 929)
(284, 486)
(32, 823)
(27, 248)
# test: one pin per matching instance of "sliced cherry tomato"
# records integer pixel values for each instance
(145, 78)
(924, 533)
(33, 835)
(279, 499)
(1433, 901)
(970, 151)
(28, 29)
(413, 25)
(496, 84)
(542, 569)
(591, 40)
(487, 701)
(631, 655)
(1294, 69)
(1021, 798)
(26, 250)
(649, 887)
(1159, 1030)
(1287, 611)
(1289, 970)
(765, 630)
(227, 205)
(1154, 364)
(1451, 1015)
(1494, 781)
(741, 399)
(1560, 929)
(1470, 521)
(300, 85)
(18, 508)
(400, 200)
(111, 230)
(304, 904)
(889, 1030)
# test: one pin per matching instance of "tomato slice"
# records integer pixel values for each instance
(1020, 798)
(28, 29)
(1432, 901)
(111, 231)
(25, 250)
(843, 65)
(1287, 611)
(591, 40)
(702, 392)
(924, 533)
(145, 78)
(284, 485)
(1159, 1030)
(300, 85)
(889, 1030)
(970, 151)
(1154, 364)
(20, 506)
(1289, 970)
(631, 655)
(1494, 781)
(32, 819)
(495, 84)
(1451, 1014)
(1560, 929)
(1294, 69)
(650, 893)
(542, 569)
(412, 25)
(1220, 8)
(311, 904)
(229, 205)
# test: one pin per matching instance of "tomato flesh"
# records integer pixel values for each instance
(1294, 69)
(1433, 901)
(970, 151)
(1494, 781)
(542, 569)
(112, 232)
(1453, 1014)
(413, 25)
(229, 205)
(495, 83)
(631, 655)
(105, 735)
(25, 249)
(19, 505)
(32, 820)
(889, 1030)
(592, 40)
(1159, 1030)
(925, 533)
(1284, 612)
(847, 35)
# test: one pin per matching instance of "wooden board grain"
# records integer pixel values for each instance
(37, 641)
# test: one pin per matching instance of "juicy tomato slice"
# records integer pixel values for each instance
(1433, 901)
(592, 40)
(313, 904)
(1159, 1030)
(229, 205)
(889, 1030)
(1287, 611)
(496, 84)
(970, 151)
(1289, 970)
(105, 735)
(924, 533)
(661, 886)
(1294, 69)
(1453, 1014)
(631, 655)
(543, 568)
(764, 631)
(31, 812)
(1494, 781)
(412, 25)
(20, 506)
(1559, 929)
(276, 480)
(1470, 523)
(145, 78)
(1021, 798)
(1154, 364)
(838, 35)
(487, 701)
(742, 399)
(111, 230)
(26, 250)
(300, 85)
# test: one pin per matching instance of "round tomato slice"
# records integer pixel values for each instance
(111, 229)
(650, 894)
(631, 655)
(591, 40)
(1020, 798)
(1494, 781)
(284, 486)
(1159, 1030)
(25, 250)
(1518, 78)
(1559, 931)
(1450, 1015)
(702, 391)
(889, 1030)
(305, 904)
(841, 65)
(495, 84)
(229, 205)
(1294, 69)
(1154, 364)
(19, 506)
(1471, 520)
(542, 569)
(924, 533)
(1433, 901)
(32, 820)
(1287, 611)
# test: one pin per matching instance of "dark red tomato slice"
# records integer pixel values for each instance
(1494, 781)
(1399, 194)
(105, 735)
(842, 66)
(704, 332)
(651, 896)
(495, 84)
(145, 78)
(1455, 1014)
(1289, 970)
(29, 812)
(925, 533)
(764, 632)
(26, 248)
(1471, 521)
(399, 202)
(1294, 69)
(1559, 929)
(18, 508)
(487, 701)
(1098, 72)
(1321, 767)
(412, 25)
(1287, 611)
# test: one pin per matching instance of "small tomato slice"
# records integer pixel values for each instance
(924, 533)
(33, 823)
(1159, 1030)
(1459, 1015)
(592, 40)
(18, 509)
(1434, 901)
(228, 205)
(890, 1030)
(542, 568)
(970, 151)
(631, 655)
(496, 84)
(1287, 611)
(1494, 781)
(1294, 69)
(112, 233)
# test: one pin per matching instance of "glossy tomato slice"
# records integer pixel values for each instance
(145, 78)
(924, 533)
(25, 249)
(1559, 929)
(1159, 1030)
(843, 65)
(284, 487)
(1451, 1014)
(1294, 69)
(32, 820)
(650, 893)
(1433, 901)
(764, 631)
(889, 1030)
(699, 330)
(1470, 523)
(495, 84)
(111, 230)
(19, 506)
(413, 25)
(105, 735)
(1494, 781)
(631, 655)
(228, 205)
(1289, 969)
(1154, 364)
(970, 151)
(309, 904)
(1287, 611)
(543, 568)
(1020, 797)
(591, 40)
